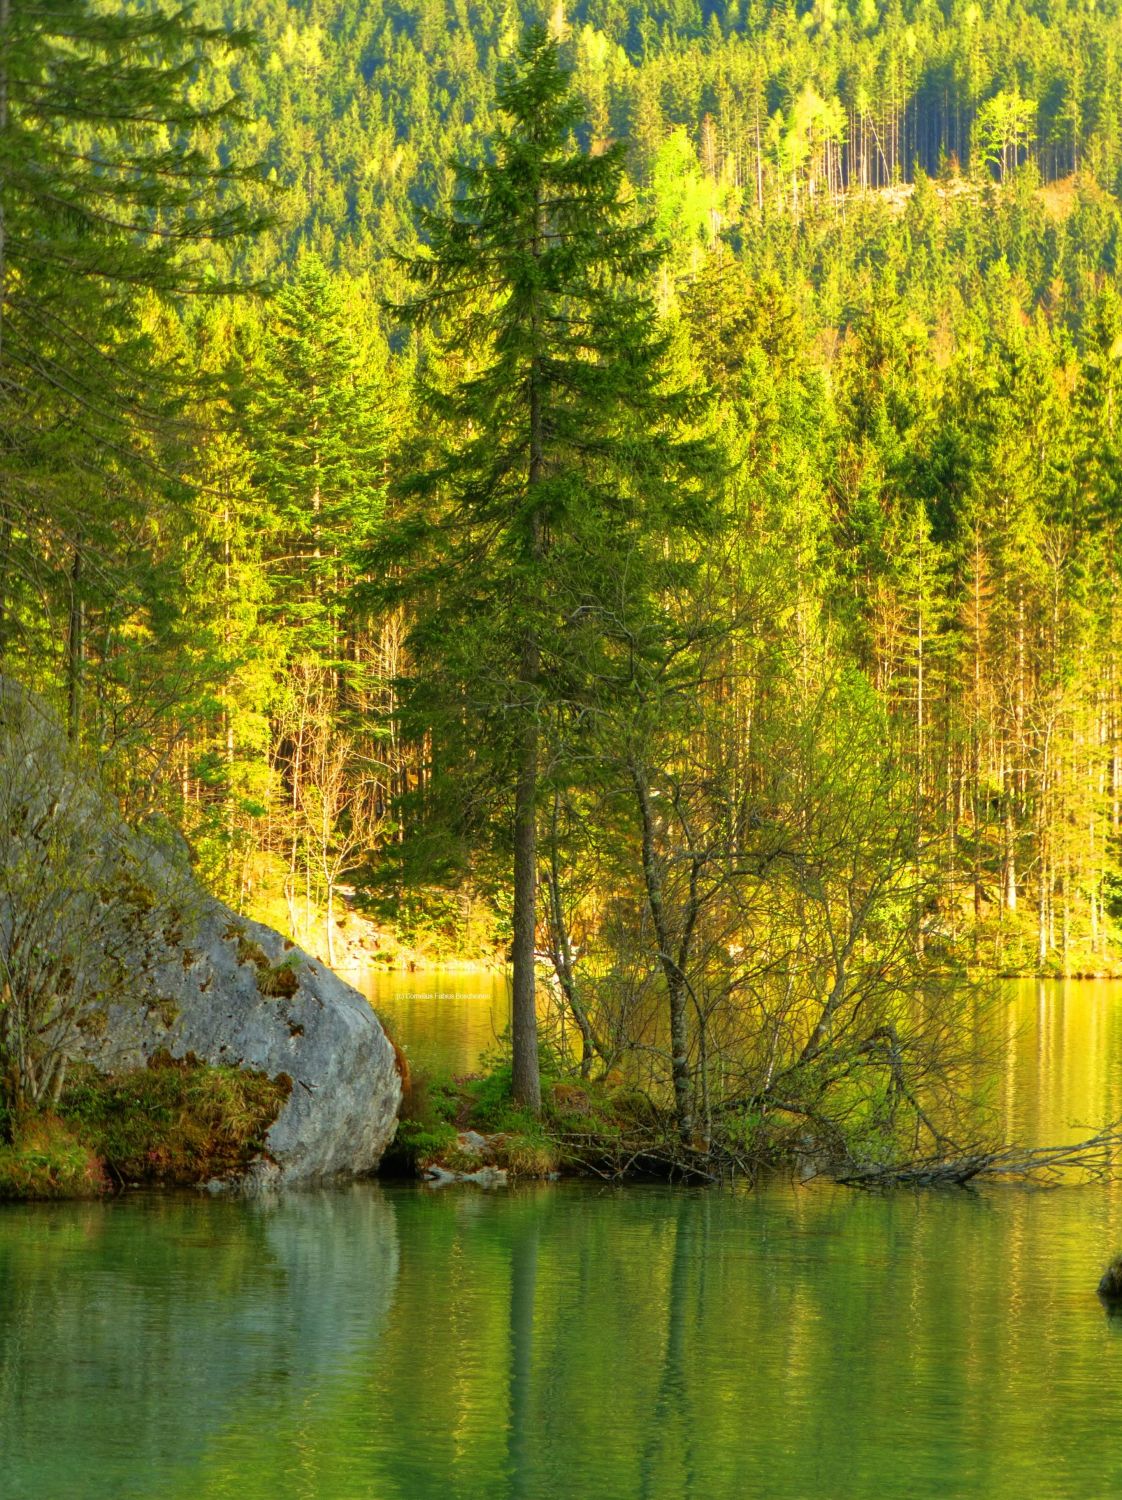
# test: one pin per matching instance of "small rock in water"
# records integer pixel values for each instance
(439, 1176)
(1110, 1287)
(487, 1177)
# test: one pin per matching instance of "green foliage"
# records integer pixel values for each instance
(360, 110)
(426, 1126)
(316, 436)
(527, 1154)
(279, 980)
(491, 1102)
(560, 466)
(430, 920)
(554, 451)
(891, 252)
(47, 1159)
(107, 212)
(173, 1122)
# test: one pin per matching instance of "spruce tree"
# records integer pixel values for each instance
(555, 466)
(318, 434)
(108, 194)
(317, 431)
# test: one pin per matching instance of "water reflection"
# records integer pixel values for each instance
(129, 1332)
(663, 1344)
(572, 1340)
(444, 1021)
(1062, 1072)
(561, 1341)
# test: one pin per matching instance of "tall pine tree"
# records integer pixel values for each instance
(107, 194)
(555, 462)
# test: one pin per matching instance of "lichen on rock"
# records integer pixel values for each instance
(225, 1006)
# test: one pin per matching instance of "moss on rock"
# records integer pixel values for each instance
(277, 981)
(175, 1122)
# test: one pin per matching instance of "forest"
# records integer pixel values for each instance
(638, 495)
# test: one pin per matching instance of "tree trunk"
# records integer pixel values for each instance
(5, 22)
(75, 649)
(676, 988)
(563, 959)
(679, 1055)
(525, 1079)
(6, 519)
(524, 1016)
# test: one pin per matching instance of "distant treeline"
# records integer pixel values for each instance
(357, 109)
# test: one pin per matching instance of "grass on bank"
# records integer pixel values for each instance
(45, 1159)
(610, 1128)
(586, 1127)
(176, 1122)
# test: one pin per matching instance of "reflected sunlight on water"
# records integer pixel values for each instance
(444, 1020)
(576, 1341)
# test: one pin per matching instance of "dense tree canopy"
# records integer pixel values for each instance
(418, 557)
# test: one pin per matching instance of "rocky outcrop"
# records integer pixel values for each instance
(473, 1158)
(234, 992)
(187, 975)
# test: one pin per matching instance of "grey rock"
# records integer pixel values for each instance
(199, 979)
(440, 1176)
(472, 1143)
(203, 994)
(486, 1177)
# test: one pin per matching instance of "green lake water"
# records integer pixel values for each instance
(572, 1342)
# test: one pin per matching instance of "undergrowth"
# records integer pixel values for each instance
(584, 1126)
(173, 1122)
(46, 1160)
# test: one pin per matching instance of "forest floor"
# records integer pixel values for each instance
(469, 1129)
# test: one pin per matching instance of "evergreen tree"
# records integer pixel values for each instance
(317, 431)
(107, 194)
(556, 463)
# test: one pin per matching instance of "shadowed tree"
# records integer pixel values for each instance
(107, 194)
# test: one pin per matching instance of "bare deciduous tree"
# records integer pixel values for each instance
(77, 891)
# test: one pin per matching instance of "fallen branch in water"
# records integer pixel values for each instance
(1096, 1158)
(623, 1158)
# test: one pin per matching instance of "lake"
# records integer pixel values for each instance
(578, 1342)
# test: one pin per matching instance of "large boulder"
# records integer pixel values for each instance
(234, 992)
(178, 971)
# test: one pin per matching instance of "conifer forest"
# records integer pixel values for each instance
(560, 749)
(630, 491)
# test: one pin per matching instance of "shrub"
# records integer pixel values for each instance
(426, 1126)
(526, 1154)
(47, 1160)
